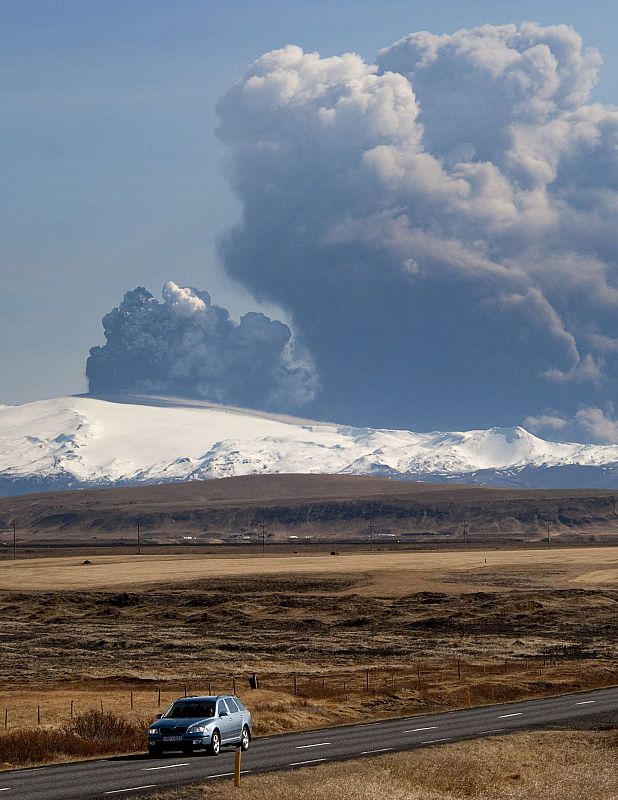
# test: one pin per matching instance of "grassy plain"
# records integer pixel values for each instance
(390, 572)
(430, 631)
(525, 766)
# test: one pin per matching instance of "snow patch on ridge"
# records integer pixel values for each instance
(87, 441)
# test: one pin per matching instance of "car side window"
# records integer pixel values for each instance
(223, 707)
(231, 705)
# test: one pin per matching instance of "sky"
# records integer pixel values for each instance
(115, 177)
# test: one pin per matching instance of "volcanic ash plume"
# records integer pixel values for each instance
(441, 224)
(186, 346)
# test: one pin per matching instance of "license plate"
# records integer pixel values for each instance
(172, 738)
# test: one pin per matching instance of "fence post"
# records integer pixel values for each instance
(185, 689)
(71, 709)
(458, 669)
(131, 701)
(159, 699)
(6, 718)
(418, 675)
(237, 757)
(366, 680)
(294, 683)
(234, 685)
(209, 688)
(38, 715)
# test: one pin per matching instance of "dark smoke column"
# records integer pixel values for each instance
(187, 347)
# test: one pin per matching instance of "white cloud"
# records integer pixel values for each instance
(588, 424)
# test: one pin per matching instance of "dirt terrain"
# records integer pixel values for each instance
(161, 618)
(301, 509)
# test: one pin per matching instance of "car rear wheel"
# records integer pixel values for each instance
(215, 744)
(245, 738)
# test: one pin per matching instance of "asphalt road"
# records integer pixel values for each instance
(137, 775)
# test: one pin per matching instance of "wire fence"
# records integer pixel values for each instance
(450, 682)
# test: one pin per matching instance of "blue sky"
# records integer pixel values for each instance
(112, 174)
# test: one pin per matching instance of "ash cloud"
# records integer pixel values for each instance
(440, 224)
(187, 346)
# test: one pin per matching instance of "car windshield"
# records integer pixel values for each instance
(186, 710)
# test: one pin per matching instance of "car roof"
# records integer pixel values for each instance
(192, 697)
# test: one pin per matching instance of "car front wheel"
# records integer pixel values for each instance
(245, 739)
(215, 743)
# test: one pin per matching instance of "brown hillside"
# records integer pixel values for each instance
(336, 507)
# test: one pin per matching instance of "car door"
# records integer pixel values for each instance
(235, 716)
(225, 722)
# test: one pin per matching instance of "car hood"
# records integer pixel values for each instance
(173, 722)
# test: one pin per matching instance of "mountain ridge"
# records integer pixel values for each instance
(85, 441)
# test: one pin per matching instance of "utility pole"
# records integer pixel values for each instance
(14, 524)
(371, 535)
(548, 536)
(263, 527)
(139, 541)
(465, 533)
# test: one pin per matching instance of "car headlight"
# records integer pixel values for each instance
(153, 730)
(198, 729)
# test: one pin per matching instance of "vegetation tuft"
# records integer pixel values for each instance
(93, 733)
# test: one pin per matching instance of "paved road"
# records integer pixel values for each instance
(137, 775)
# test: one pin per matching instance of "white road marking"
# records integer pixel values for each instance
(381, 750)
(415, 730)
(305, 746)
(313, 761)
(516, 714)
(227, 774)
(491, 730)
(132, 789)
(166, 766)
(584, 702)
(433, 741)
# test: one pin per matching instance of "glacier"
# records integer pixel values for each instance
(86, 441)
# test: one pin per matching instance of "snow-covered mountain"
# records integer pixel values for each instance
(83, 441)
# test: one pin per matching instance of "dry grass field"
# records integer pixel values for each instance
(525, 766)
(389, 572)
(429, 631)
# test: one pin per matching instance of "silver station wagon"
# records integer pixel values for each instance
(205, 723)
